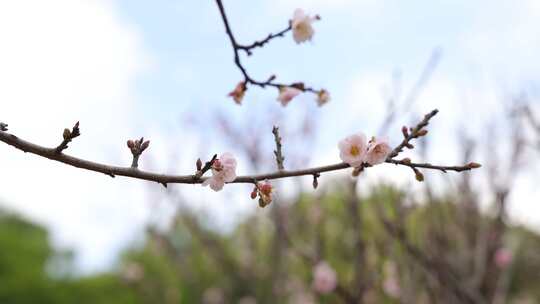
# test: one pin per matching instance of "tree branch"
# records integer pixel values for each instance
(197, 178)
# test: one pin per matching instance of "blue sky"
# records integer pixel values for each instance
(133, 68)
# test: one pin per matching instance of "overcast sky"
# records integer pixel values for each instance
(137, 68)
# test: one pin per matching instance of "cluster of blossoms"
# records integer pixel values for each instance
(355, 150)
(302, 29)
(286, 94)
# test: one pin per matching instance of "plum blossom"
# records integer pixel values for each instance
(324, 278)
(503, 257)
(323, 97)
(223, 171)
(238, 93)
(286, 94)
(265, 192)
(353, 149)
(301, 26)
(377, 152)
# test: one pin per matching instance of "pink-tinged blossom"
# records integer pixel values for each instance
(223, 171)
(503, 257)
(238, 93)
(286, 94)
(301, 26)
(265, 192)
(377, 152)
(323, 97)
(324, 278)
(352, 150)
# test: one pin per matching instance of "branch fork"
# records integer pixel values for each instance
(68, 136)
(137, 147)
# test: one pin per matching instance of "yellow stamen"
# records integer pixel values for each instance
(354, 151)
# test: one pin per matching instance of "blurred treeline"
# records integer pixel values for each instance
(384, 245)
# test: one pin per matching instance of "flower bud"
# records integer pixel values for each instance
(323, 97)
(474, 165)
(145, 145)
(421, 133)
(199, 164)
(67, 134)
(130, 144)
(254, 193)
(405, 131)
(419, 175)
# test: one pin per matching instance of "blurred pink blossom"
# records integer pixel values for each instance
(238, 93)
(503, 257)
(324, 278)
(286, 94)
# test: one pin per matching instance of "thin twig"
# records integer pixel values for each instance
(277, 151)
(207, 166)
(247, 48)
(412, 133)
(261, 43)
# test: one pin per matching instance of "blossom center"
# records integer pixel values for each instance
(355, 151)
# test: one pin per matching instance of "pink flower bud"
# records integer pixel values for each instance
(130, 144)
(286, 94)
(238, 93)
(254, 193)
(265, 192)
(323, 97)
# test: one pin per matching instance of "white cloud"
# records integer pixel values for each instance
(62, 61)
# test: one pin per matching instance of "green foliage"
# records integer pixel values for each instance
(270, 255)
(24, 278)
